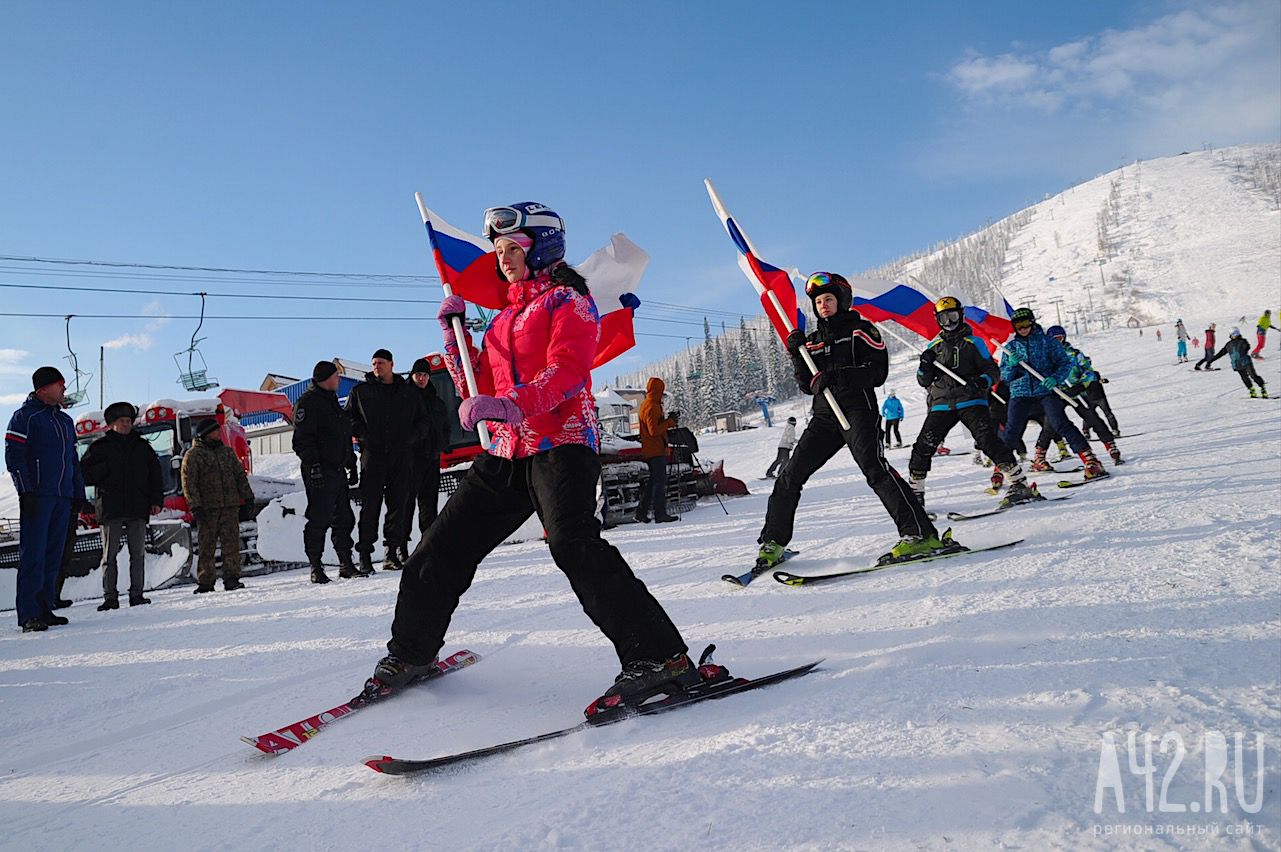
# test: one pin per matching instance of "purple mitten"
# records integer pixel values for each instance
(483, 407)
(452, 306)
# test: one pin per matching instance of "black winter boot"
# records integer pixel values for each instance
(138, 600)
(108, 604)
(366, 565)
(346, 570)
(318, 574)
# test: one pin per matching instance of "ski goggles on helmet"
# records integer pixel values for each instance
(507, 220)
(819, 281)
(1022, 324)
(949, 319)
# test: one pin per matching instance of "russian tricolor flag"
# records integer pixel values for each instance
(467, 263)
(765, 277)
(879, 301)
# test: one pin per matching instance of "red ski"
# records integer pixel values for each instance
(290, 737)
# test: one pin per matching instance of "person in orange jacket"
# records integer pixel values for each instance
(653, 435)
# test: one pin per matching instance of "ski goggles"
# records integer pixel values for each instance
(1022, 324)
(949, 318)
(820, 280)
(507, 220)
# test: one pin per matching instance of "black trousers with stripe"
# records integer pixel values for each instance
(822, 440)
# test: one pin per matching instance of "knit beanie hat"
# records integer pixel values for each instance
(384, 354)
(44, 376)
(422, 365)
(206, 426)
(323, 370)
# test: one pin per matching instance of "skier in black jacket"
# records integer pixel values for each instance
(387, 418)
(322, 442)
(958, 349)
(424, 485)
(852, 363)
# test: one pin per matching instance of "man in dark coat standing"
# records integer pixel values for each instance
(125, 470)
(40, 454)
(387, 417)
(322, 442)
(424, 487)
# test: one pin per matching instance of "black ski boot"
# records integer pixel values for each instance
(394, 673)
(641, 680)
(108, 604)
(318, 575)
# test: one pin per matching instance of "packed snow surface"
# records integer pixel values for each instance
(961, 704)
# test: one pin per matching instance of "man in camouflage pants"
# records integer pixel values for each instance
(215, 485)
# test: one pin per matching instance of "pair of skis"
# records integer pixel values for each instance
(288, 738)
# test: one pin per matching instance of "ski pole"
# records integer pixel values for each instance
(784, 319)
(469, 374)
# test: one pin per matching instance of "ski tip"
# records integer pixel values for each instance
(250, 741)
(732, 580)
(788, 579)
(377, 762)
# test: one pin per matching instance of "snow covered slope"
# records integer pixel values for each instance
(962, 704)
(1184, 235)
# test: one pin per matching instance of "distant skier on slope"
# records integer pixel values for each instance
(1181, 346)
(852, 362)
(1210, 333)
(1261, 332)
(892, 411)
(951, 402)
(1032, 347)
(1238, 351)
(543, 459)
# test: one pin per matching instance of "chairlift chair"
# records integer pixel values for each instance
(196, 376)
(80, 395)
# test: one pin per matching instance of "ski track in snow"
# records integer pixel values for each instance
(961, 704)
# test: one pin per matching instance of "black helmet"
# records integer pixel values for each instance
(830, 282)
(1022, 315)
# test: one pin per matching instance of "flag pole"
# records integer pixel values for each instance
(460, 338)
(784, 319)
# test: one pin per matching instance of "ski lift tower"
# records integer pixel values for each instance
(196, 376)
(80, 395)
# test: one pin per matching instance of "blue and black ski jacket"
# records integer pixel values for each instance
(40, 451)
(1042, 353)
(964, 354)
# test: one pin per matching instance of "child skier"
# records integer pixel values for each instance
(892, 411)
(1181, 347)
(1030, 346)
(852, 362)
(959, 350)
(1261, 332)
(1080, 380)
(1239, 355)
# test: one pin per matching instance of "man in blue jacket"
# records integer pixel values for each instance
(892, 411)
(40, 454)
(1030, 346)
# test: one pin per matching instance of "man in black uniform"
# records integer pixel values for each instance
(424, 486)
(322, 441)
(387, 417)
(950, 402)
(852, 362)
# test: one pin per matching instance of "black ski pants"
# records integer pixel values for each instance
(424, 490)
(898, 436)
(1089, 419)
(937, 424)
(1247, 373)
(1096, 398)
(822, 439)
(1054, 421)
(383, 478)
(495, 497)
(780, 461)
(328, 508)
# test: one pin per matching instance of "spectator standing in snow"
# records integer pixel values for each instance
(1209, 348)
(1181, 344)
(387, 418)
(322, 442)
(40, 454)
(1239, 355)
(215, 485)
(533, 377)
(1261, 332)
(125, 470)
(1158, 335)
(892, 411)
(653, 435)
(424, 486)
(785, 445)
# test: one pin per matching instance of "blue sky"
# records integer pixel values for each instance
(291, 136)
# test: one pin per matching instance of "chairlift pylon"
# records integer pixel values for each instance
(80, 395)
(196, 377)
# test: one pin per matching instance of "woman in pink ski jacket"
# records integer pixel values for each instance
(533, 376)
